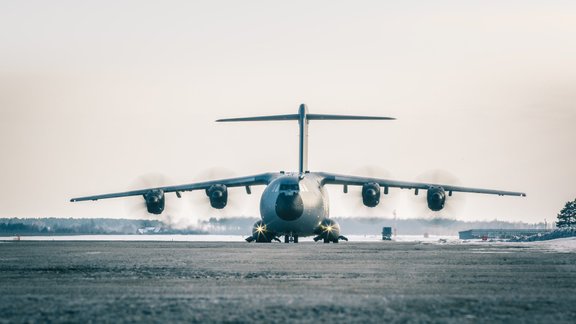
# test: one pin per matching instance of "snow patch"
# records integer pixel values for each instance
(566, 245)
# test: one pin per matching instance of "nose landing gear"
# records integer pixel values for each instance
(291, 238)
(328, 239)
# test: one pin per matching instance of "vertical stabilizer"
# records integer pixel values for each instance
(303, 152)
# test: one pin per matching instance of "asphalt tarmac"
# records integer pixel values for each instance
(354, 282)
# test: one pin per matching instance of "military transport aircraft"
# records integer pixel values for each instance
(295, 204)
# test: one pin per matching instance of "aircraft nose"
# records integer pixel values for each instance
(289, 207)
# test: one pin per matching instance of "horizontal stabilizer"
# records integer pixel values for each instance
(260, 118)
(344, 117)
(308, 116)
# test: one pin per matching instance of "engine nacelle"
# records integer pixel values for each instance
(436, 198)
(155, 201)
(218, 195)
(371, 194)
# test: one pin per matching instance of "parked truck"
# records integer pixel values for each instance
(386, 233)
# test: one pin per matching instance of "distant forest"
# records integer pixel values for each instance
(237, 226)
(76, 226)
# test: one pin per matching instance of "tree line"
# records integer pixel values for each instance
(73, 226)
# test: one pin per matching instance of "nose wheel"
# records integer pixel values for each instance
(290, 238)
(327, 239)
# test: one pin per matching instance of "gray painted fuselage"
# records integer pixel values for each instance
(294, 205)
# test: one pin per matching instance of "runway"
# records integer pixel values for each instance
(59, 281)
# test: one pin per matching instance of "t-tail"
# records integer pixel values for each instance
(303, 117)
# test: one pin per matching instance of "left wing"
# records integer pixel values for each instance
(330, 178)
(259, 179)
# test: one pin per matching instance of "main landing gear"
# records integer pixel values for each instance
(290, 238)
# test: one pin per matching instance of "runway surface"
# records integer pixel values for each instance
(354, 282)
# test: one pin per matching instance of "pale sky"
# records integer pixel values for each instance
(94, 95)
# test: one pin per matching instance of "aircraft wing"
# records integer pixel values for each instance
(330, 178)
(259, 179)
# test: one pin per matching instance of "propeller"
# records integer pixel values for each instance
(454, 203)
(352, 202)
(201, 208)
(175, 213)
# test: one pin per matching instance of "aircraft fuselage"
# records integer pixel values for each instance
(291, 205)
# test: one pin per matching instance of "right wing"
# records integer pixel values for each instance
(331, 178)
(259, 179)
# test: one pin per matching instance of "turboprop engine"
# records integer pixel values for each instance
(155, 201)
(436, 198)
(371, 194)
(218, 195)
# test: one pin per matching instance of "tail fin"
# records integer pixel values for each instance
(303, 117)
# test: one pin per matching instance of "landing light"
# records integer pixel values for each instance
(260, 229)
(328, 228)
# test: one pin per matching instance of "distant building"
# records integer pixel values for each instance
(499, 233)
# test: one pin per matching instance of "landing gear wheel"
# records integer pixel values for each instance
(326, 240)
(286, 239)
(295, 238)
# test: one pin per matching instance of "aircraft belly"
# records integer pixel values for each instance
(303, 226)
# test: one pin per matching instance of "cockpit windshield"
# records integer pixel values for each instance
(289, 186)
